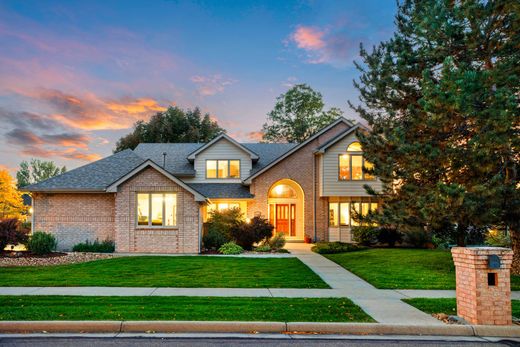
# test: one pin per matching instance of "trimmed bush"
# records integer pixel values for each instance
(365, 235)
(224, 221)
(12, 233)
(230, 248)
(214, 239)
(42, 243)
(106, 246)
(247, 234)
(389, 236)
(277, 241)
(335, 247)
(263, 248)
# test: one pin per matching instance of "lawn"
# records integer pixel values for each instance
(180, 308)
(155, 271)
(448, 306)
(389, 268)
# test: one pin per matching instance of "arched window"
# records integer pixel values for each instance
(354, 147)
(282, 191)
(351, 165)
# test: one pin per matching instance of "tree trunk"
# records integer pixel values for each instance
(461, 235)
(515, 245)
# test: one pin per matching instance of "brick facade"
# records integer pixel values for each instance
(74, 218)
(129, 238)
(479, 302)
(298, 167)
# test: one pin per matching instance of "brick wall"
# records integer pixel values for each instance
(74, 218)
(182, 239)
(478, 302)
(299, 168)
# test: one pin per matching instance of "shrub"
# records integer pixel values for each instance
(277, 241)
(230, 248)
(389, 236)
(224, 221)
(214, 239)
(263, 248)
(335, 247)
(417, 238)
(12, 233)
(497, 238)
(247, 234)
(42, 243)
(106, 246)
(365, 235)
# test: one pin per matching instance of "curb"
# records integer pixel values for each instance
(254, 327)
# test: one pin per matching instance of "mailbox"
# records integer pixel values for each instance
(494, 261)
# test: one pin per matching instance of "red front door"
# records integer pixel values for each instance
(282, 218)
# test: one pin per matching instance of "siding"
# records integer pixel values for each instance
(223, 149)
(330, 184)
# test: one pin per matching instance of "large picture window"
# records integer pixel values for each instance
(222, 168)
(157, 209)
(345, 212)
(351, 164)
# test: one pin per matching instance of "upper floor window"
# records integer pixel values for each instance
(157, 209)
(223, 168)
(351, 164)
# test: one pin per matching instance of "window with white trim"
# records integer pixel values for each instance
(156, 209)
(223, 168)
(350, 165)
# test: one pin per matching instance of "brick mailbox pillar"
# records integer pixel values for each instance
(483, 284)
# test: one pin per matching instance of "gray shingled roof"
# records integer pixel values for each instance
(95, 176)
(176, 156)
(267, 152)
(222, 190)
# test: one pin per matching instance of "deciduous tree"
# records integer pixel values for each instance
(36, 171)
(11, 203)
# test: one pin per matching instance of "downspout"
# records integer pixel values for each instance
(314, 196)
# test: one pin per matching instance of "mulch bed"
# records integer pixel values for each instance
(8, 259)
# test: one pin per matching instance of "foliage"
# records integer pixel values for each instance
(263, 248)
(277, 242)
(417, 238)
(224, 221)
(42, 243)
(172, 126)
(106, 246)
(230, 248)
(12, 233)
(247, 234)
(214, 239)
(335, 247)
(441, 97)
(36, 171)
(365, 235)
(389, 236)
(498, 238)
(297, 115)
(11, 203)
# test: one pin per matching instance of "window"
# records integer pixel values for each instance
(157, 209)
(333, 215)
(351, 165)
(282, 191)
(223, 168)
(344, 212)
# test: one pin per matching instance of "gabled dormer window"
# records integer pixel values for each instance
(222, 168)
(351, 164)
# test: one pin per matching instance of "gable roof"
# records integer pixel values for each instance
(297, 147)
(193, 154)
(112, 188)
(93, 177)
(337, 138)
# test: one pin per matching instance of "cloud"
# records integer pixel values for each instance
(211, 85)
(255, 135)
(334, 46)
(290, 82)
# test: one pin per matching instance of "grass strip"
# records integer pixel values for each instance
(448, 305)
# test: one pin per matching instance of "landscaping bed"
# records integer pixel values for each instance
(394, 268)
(448, 306)
(164, 271)
(181, 308)
(13, 259)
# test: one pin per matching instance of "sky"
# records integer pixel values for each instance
(76, 75)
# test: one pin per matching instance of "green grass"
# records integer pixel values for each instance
(155, 271)
(180, 308)
(448, 306)
(389, 268)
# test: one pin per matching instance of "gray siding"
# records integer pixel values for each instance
(222, 149)
(330, 184)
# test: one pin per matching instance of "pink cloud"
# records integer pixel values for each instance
(308, 38)
(211, 85)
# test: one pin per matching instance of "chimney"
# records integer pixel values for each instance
(164, 160)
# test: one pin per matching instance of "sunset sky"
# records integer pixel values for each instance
(76, 75)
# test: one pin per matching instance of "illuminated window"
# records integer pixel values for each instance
(344, 213)
(223, 168)
(282, 191)
(351, 165)
(333, 214)
(157, 209)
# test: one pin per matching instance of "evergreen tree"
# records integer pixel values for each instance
(441, 97)
(172, 126)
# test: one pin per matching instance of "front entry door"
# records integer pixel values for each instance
(286, 219)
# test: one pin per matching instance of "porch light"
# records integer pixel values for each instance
(31, 210)
(278, 190)
(248, 220)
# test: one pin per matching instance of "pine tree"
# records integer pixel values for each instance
(442, 99)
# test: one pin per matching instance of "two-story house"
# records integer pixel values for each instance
(157, 197)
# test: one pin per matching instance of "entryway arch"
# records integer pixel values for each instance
(286, 207)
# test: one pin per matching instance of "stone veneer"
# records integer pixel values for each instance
(478, 302)
(184, 238)
(299, 168)
(74, 217)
